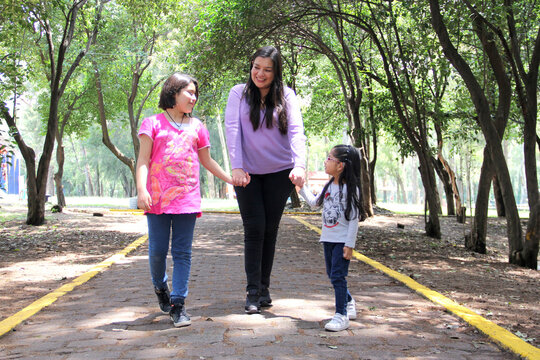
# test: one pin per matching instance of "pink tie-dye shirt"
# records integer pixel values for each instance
(173, 174)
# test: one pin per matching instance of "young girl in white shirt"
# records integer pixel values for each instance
(341, 202)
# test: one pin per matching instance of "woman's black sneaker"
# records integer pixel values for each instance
(164, 298)
(252, 302)
(179, 316)
(264, 299)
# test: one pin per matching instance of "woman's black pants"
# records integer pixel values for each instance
(261, 205)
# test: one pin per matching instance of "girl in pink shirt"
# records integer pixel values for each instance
(172, 144)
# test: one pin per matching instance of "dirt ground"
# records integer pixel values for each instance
(36, 260)
(503, 293)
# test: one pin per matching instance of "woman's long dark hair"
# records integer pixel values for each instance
(350, 176)
(275, 99)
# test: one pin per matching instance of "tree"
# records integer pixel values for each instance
(404, 73)
(527, 90)
(54, 28)
(491, 134)
(499, 102)
(295, 31)
(60, 153)
(137, 51)
(328, 36)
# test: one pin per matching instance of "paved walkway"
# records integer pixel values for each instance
(115, 314)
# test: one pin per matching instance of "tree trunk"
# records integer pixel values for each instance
(373, 188)
(36, 207)
(226, 163)
(447, 186)
(529, 149)
(365, 179)
(529, 254)
(60, 198)
(295, 200)
(528, 257)
(99, 182)
(36, 183)
(211, 185)
(125, 185)
(401, 192)
(448, 178)
(427, 173)
(88, 173)
(476, 239)
(497, 194)
(530, 115)
(77, 162)
(373, 161)
(60, 154)
(415, 187)
(365, 184)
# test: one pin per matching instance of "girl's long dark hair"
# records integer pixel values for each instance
(350, 176)
(275, 99)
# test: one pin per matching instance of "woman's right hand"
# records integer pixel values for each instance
(144, 200)
(240, 177)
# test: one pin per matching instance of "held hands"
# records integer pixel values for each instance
(240, 177)
(228, 179)
(144, 200)
(347, 253)
(298, 176)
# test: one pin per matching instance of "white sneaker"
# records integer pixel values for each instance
(351, 309)
(339, 322)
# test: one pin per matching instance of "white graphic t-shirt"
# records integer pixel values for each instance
(335, 228)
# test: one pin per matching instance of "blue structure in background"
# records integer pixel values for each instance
(13, 176)
(9, 178)
(3, 173)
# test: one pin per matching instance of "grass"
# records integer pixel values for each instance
(418, 209)
(124, 203)
(9, 217)
(220, 205)
(95, 201)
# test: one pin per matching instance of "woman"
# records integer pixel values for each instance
(266, 142)
(172, 145)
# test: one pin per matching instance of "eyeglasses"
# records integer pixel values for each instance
(329, 158)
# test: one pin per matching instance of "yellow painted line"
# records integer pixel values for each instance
(494, 331)
(14, 320)
(130, 211)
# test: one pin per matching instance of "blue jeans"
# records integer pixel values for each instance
(337, 269)
(159, 234)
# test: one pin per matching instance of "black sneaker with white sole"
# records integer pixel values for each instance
(265, 300)
(179, 316)
(164, 299)
(253, 305)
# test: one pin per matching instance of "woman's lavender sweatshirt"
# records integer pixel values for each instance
(266, 150)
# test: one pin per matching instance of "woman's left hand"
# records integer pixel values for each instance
(298, 176)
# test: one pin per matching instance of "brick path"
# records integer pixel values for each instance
(115, 315)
